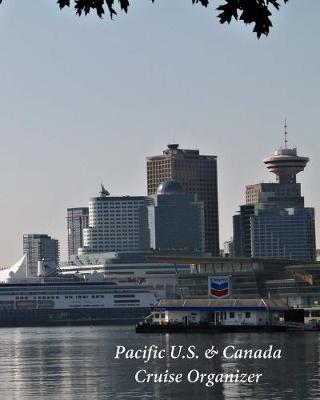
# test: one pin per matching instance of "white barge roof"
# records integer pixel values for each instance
(222, 304)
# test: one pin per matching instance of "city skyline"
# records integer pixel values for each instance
(124, 196)
(65, 130)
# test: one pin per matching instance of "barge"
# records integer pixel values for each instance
(223, 315)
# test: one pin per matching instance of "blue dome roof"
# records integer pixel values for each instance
(170, 187)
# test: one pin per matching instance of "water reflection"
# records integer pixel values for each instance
(77, 363)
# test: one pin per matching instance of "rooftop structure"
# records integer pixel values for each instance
(285, 163)
(170, 187)
(221, 304)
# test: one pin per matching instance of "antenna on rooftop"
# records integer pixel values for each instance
(104, 192)
(285, 134)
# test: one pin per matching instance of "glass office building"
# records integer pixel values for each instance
(77, 220)
(40, 247)
(176, 219)
(283, 233)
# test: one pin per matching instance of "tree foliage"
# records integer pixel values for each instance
(257, 12)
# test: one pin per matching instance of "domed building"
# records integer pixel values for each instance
(170, 187)
(176, 219)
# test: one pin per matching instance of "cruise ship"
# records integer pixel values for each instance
(52, 299)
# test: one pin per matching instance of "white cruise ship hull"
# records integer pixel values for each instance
(72, 303)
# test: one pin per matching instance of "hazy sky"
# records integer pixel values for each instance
(84, 101)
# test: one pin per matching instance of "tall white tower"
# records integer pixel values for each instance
(285, 163)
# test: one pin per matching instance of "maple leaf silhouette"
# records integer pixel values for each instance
(256, 12)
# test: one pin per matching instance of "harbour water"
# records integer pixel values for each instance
(78, 363)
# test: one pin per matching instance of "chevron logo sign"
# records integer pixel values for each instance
(219, 287)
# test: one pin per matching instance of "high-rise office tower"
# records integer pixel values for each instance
(274, 222)
(198, 175)
(77, 220)
(242, 231)
(116, 224)
(283, 233)
(176, 219)
(39, 247)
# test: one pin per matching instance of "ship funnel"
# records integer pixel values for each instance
(40, 268)
(46, 268)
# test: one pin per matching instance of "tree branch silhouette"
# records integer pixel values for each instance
(257, 12)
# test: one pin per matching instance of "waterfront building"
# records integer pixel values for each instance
(129, 267)
(176, 219)
(198, 175)
(39, 247)
(274, 222)
(77, 220)
(116, 224)
(18, 270)
(294, 282)
(219, 312)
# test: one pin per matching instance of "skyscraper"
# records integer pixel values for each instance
(242, 231)
(176, 219)
(116, 224)
(283, 233)
(39, 247)
(274, 222)
(77, 220)
(198, 175)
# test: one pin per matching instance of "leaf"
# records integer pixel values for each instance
(62, 3)
(124, 4)
(204, 3)
(275, 3)
(229, 10)
(111, 9)
(252, 11)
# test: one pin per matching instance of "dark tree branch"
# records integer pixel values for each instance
(251, 11)
(257, 12)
